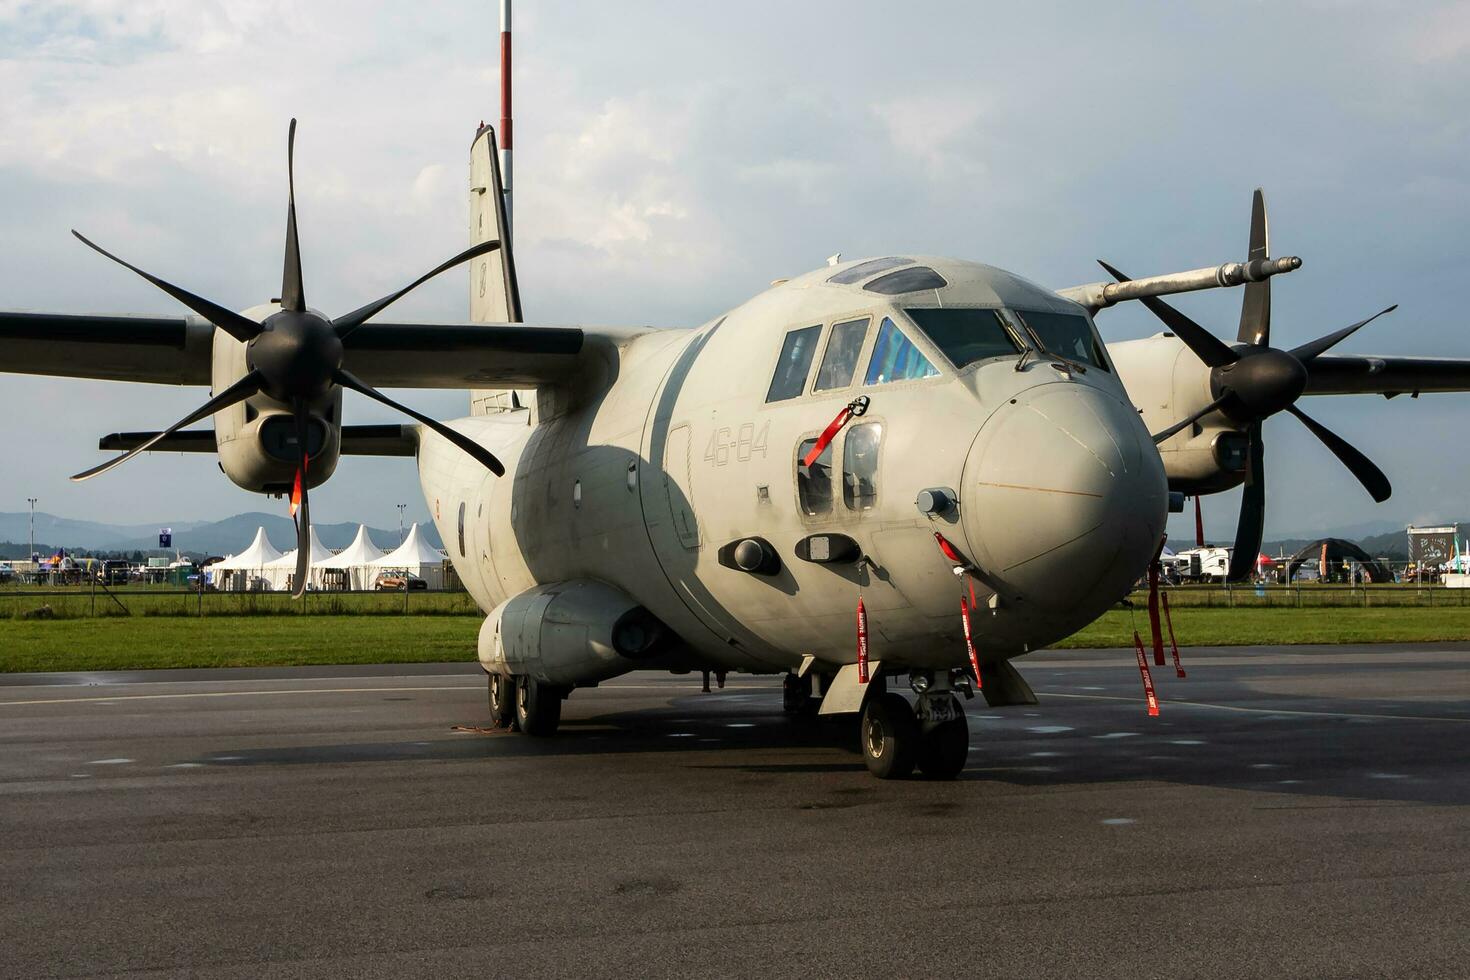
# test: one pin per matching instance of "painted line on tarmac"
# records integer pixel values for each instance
(1261, 711)
(232, 694)
(317, 690)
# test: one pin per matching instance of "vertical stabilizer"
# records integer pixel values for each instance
(495, 295)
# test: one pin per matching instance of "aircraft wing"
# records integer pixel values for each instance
(1368, 374)
(177, 350)
(166, 350)
(465, 355)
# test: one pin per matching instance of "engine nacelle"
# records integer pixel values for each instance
(256, 438)
(1167, 382)
(568, 633)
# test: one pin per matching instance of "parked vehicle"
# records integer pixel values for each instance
(114, 571)
(393, 580)
(7, 572)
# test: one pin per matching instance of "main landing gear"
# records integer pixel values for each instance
(931, 736)
(525, 704)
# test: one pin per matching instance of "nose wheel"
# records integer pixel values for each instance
(896, 738)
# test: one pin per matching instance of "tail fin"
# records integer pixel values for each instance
(495, 294)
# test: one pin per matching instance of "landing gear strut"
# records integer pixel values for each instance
(797, 699)
(933, 735)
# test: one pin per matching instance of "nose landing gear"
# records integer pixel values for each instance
(932, 735)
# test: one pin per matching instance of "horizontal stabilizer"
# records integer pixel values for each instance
(357, 440)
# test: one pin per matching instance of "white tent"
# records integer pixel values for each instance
(351, 568)
(245, 571)
(417, 557)
(279, 572)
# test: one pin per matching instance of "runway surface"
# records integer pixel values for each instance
(1292, 812)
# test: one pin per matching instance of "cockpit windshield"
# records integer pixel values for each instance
(1066, 335)
(966, 335)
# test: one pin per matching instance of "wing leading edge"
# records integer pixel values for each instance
(177, 351)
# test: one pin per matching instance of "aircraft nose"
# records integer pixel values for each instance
(1065, 498)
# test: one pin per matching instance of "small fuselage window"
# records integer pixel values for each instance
(1066, 335)
(797, 352)
(461, 529)
(840, 361)
(966, 335)
(860, 466)
(814, 483)
(895, 358)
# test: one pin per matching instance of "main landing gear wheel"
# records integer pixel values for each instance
(538, 706)
(890, 736)
(945, 746)
(502, 701)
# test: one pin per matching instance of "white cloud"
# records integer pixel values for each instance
(671, 160)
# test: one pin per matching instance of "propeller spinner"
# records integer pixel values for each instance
(295, 356)
(1251, 381)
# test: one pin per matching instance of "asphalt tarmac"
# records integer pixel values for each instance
(1291, 812)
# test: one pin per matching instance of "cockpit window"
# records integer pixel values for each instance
(907, 281)
(966, 335)
(797, 352)
(895, 358)
(1067, 335)
(840, 361)
(871, 267)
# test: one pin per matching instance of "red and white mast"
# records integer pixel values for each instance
(505, 117)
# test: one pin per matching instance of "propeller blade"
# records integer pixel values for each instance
(1159, 437)
(1206, 346)
(351, 321)
(1322, 345)
(303, 518)
(241, 328)
(237, 392)
(1255, 307)
(293, 296)
(1369, 475)
(481, 455)
(1252, 525)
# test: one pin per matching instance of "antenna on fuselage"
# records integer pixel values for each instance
(505, 115)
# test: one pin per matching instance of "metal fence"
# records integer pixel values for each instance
(1308, 596)
(95, 599)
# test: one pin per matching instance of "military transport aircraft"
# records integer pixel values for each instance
(812, 484)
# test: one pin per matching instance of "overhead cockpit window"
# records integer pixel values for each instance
(860, 466)
(814, 483)
(797, 352)
(907, 281)
(1067, 335)
(840, 361)
(895, 358)
(871, 267)
(966, 336)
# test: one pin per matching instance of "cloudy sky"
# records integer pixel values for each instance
(673, 158)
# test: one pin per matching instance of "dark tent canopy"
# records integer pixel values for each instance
(1339, 551)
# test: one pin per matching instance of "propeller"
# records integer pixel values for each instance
(295, 358)
(1251, 381)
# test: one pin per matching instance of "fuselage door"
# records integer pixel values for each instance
(680, 497)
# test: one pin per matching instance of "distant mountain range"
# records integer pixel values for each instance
(1385, 539)
(194, 537)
